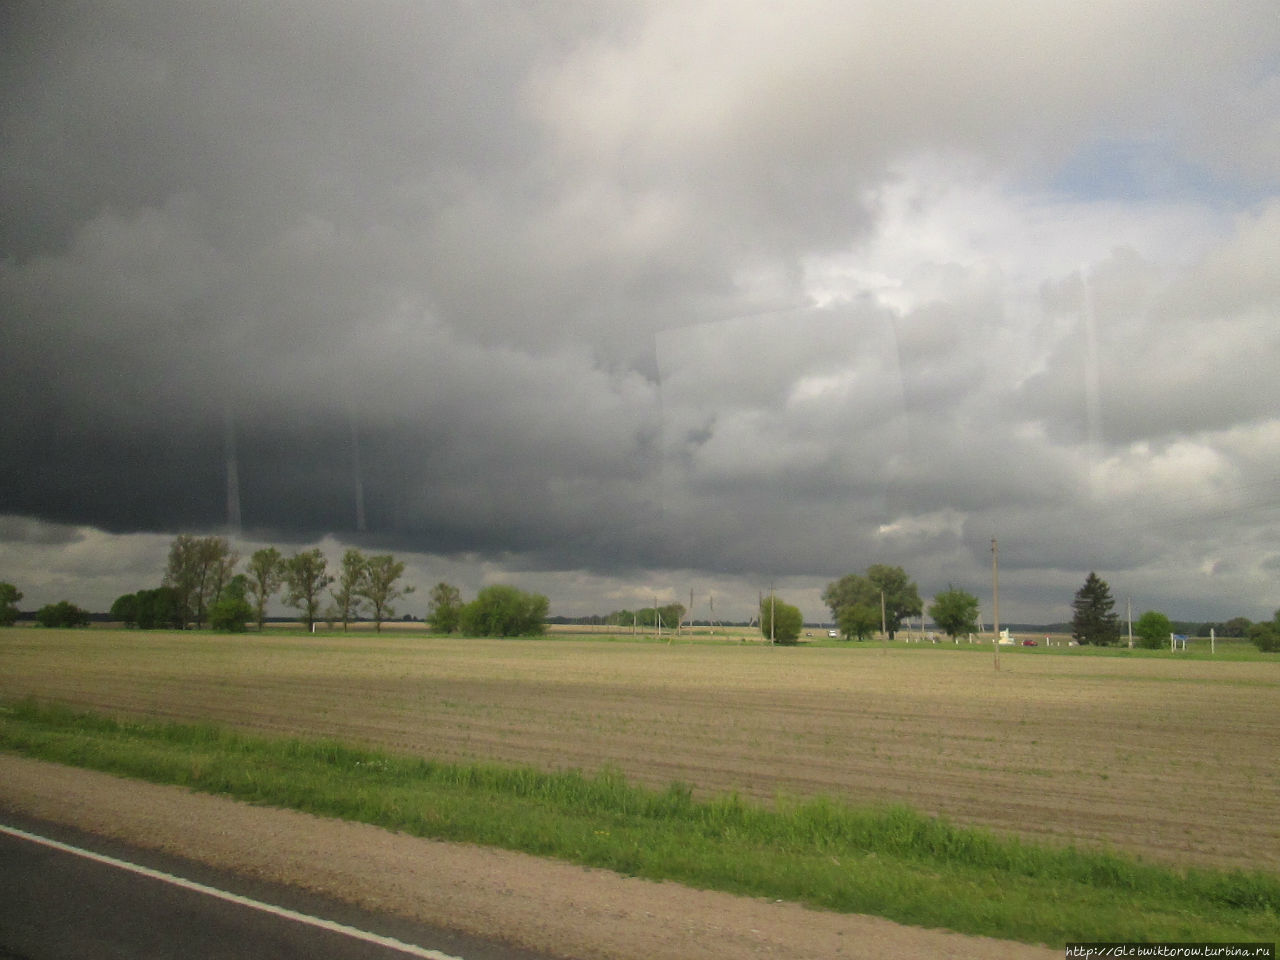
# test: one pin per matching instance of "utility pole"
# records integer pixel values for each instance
(995, 597)
(1128, 610)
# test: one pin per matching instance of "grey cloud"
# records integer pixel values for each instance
(556, 272)
(15, 529)
(1157, 337)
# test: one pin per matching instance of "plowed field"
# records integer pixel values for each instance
(1173, 759)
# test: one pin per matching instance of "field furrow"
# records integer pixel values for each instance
(1172, 759)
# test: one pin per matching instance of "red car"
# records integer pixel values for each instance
(1030, 643)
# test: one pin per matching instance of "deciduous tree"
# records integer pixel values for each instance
(198, 569)
(265, 575)
(901, 595)
(125, 609)
(351, 580)
(1095, 621)
(230, 613)
(503, 611)
(9, 597)
(780, 622)
(858, 620)
(445, 609)
(1237, 627)
(305, 577)
(1266, 635)
(672, 615)
(158, 609)
(378, 587)
(1153, 629)
(62, 614)
(955, 612)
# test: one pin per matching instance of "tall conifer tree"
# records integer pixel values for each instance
(1095, 620)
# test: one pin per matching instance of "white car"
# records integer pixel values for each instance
(833, 634)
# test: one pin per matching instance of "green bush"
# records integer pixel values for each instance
(503, 611)
(62, 614)
(1266, 637)
(780, 621)
(1153, 629)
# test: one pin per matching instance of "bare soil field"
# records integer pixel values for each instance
(1173, 760)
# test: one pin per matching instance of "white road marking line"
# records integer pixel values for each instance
(285, 912)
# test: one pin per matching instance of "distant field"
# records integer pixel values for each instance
(1172, 759)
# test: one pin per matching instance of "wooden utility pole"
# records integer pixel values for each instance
(995, 597)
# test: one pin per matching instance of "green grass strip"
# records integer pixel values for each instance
(891, 862)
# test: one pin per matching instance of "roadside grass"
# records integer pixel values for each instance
(891, 862)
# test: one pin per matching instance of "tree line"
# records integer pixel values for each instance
(201, 586)
(61, 614)
(884, 598)
(497, 611)
(668, 615)
(1094, 621)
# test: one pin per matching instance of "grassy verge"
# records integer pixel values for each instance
(891, 862)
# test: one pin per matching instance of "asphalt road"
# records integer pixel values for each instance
(57, 904)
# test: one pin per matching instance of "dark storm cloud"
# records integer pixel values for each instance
(638, 288)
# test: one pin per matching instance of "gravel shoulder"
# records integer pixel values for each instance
(545, 905)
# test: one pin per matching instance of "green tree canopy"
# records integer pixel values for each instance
(955, 612)
(1237, 627)
(125, 609)
(779, 621)
(198, 569)
(231, 612)
(858, 620)
(1266, 635)
(503, 611)
(265, 575)
(1094, 620)
(445, 610)
(9, 597)
(378, 587)
(901, 595)
(1153, 629)
(158, 609)
(670, 615)
(305, 577)
(351, 580)
(62, 614)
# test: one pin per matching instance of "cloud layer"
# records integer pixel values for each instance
(619, 298)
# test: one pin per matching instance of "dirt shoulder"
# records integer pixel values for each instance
(542, 904)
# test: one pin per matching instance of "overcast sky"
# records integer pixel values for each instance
(623, 300)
